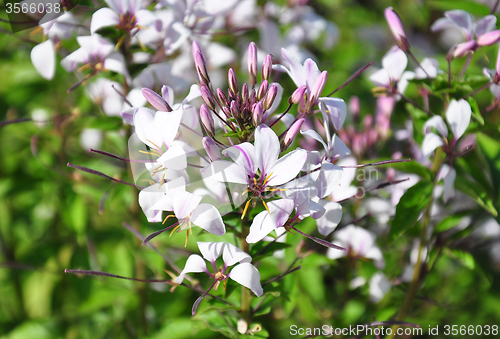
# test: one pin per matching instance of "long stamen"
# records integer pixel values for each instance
(265, 205)
(267, 178)
(105, 274)
(245, 210)
(111, 155)
(320, 241)
(168, 216)
(384, 162)
(176, 227)
(158, 148)
(91, 171)
(152, 235)
(162, 180)
(150, 153)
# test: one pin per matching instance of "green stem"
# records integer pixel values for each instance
(416, 281)
(246, 297)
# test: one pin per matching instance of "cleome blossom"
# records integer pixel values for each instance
(244, 273)
(258, 166)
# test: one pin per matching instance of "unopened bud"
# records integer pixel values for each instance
(207, 96)
(232, 80)
(200, 63)
(267, 67)
(316, 90)
(489, 38)
(262, 89)
(291, 134)
(463, 49)
(207, 120)
(397, 28)
(270, 96)
(354, 105)
(222, 97)
(244, 92)
(298, 95)
(211, 148)
(257, 114)
(234, 109)
(252, 63)
(156, 100)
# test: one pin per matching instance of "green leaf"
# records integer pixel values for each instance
(491, 150)
(464, 258)
(410, 206)
(468, 6)
(105, 123)
(414, 167)
(450, 222)
(476, 192)
(476, 114)
(273, 247)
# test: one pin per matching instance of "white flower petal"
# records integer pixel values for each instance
(379, 286)
(458, 115)
(225, 171)
(211, 250)
(287, 168)
(381, 78)
(166, 125)
(328, 179)
(244, 155)
(208, 217)
(104, 17)
(313, 134)
(148, 197)
(43, 57)
(330, 219)
(194, 264)
(395, 62)
(462, 19)
(485, 25)
(184, 203)
(449, 185)
(336, 109)
(233, 254)
(174, 158)
(438, 123)
(267, 148)
(430, 143)
(247, 275)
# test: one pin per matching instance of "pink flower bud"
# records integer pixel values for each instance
(234, 109)
(267, 67)
(397, 28)
(270, 96)
(155, 100)
(222, 97)
(244, 92)
(262, 89)
(201, 68)
(354, 105)
(489, 38)
(207, 120)
(498, 63)
(207, 96)
(316, 90)
(464, 48)
(257, 114)
(233, 82)
(252, 63)
(297, 96)
(292, 133)
(211, 148)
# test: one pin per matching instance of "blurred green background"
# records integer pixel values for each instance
(53, 218)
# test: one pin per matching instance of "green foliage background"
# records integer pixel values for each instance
(50, 215)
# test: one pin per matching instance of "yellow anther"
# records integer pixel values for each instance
(83, 68)
(162, 180)
(187, 237)
(265, 205)
(149, 153)
(168, 216)
(176, 227)
(245, 192)
(267, 178)
(159, 148)
(255, 181)
(245, 210)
